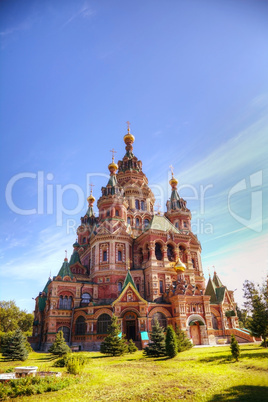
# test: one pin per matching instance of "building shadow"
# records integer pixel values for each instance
(243, 393)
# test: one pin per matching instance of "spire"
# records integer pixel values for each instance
(173, 182)
(129, 139)
(90, 200)
(65, 269)
(113, 168)
(75, 256)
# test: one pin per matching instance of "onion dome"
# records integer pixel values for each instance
(76, 244)
(179, 266)
(112, 167)
(90, 199)
(173, 182)
(129, 138)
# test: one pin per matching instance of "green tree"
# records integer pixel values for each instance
(171, 342)
(257, 306)
(132, 348)
(243, 318)
(59, 346)
(183, 342)
(12, 317)
(113, 345)
(15, 346)
(157, 346)
(235, 349)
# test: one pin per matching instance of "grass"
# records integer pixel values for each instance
(200, 374)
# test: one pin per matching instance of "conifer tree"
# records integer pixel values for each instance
(113, 345)
(132, 348)
(59, 347)
(171, 342)
(183, 342)
(15, 346)
(235, 349)
(157, 346)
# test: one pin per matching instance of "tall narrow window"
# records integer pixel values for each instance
(80, 326)
(161, 286)
(137, 222)
(103, 323)
(119, 286)
(142, 205)
(105, 255)
(116, 212)
(119, 255)
(137, 204)
(128, 220)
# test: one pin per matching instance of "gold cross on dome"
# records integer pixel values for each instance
(113, 152)
(128, 126)
(171, 168)
(158, 206)
(91, 185)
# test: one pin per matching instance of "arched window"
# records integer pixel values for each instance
(119, 255)
(158, 251)
(214, 322)
(137, 204)
(146, 223)
(66, 333)
(142, 205)
(84, 239)
(104, 255)
(116, 212)
(103, 323)
(160, 317)
(119, 286)
(128, 220)
(65, 303)
(170, 252)
(177, 225)
(85, 298)
(137, 222)
(69, 304)
(80, 326)
(193, 262)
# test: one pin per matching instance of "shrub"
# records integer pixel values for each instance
(235, 349)
(183, 342)
(32, 385)
(132, 348)
(171, 342)
(59, 347)
(75, 364)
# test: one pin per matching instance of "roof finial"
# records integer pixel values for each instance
(128, 127)
(113, 152)
(158, 206)
(173, 182)
(65, 259)
(171, 168)
(213, 266)
(208, 272)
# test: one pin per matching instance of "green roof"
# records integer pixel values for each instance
(162, 223)
(174, 195)
(128, 280)
(90, 212)
(46, 286)
(112, 181)
(42, 303)
(74, 258)
(65, 270)
(215, 289)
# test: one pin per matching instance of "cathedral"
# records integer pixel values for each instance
(137, 264)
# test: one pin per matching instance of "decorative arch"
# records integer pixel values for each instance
(129, 309)
(159, 310)
(195, 317)
(102, 311)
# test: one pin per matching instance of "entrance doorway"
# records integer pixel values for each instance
(195, 333)
(130, 323)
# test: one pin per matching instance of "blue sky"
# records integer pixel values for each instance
(192, 78)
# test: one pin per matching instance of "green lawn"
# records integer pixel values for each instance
(200, 374)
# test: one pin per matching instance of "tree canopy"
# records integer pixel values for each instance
(257, 305)
(12, 317)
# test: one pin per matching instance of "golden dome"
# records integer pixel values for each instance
(91, 198)
(112, 166)
(129, 138)
(179, 266)
(173, 181)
